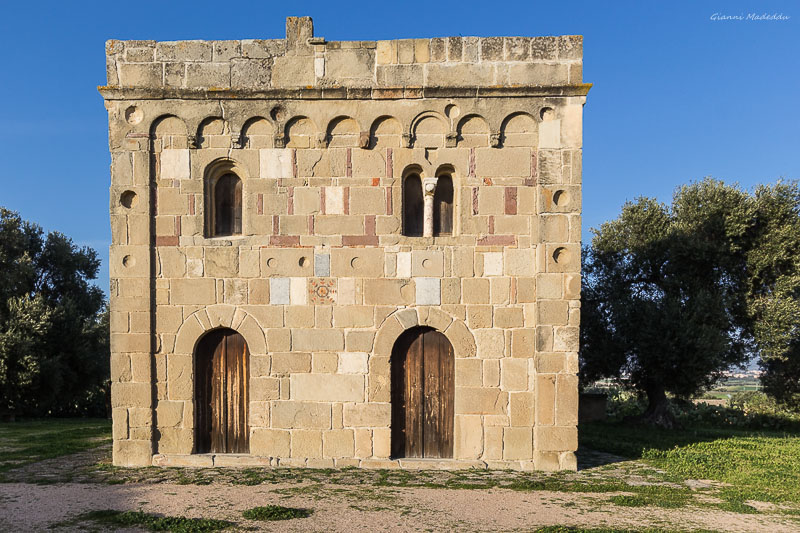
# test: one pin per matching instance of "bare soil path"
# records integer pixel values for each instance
(40, 496)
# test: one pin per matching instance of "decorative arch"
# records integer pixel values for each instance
(386, 132)
(258, 132)
(342, 131)
(214, 132)
(300, 132)
(519, 129)
(216, 316)
(453, 328)
(170, 130)
(428, 129)
(473, 131)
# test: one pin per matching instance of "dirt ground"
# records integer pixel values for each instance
(40, 496)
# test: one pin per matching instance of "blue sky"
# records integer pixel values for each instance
(677, 96)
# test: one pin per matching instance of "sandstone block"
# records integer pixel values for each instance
(295, 414)
(520, 262)
(338, 443)
(475, 400)
(367, 415)
(567, 400)
(306, 443)
(292, 362)
(522, 342)
(556, 439)
(201, 291)
(545, 399)
(514, 374)
(353, 316)
(169, 414)
(381, 443)
(328, 387)
(353, 363)
(264, 388)
(427, 263)
(468, 433)
(521, 408)
(369, 200)
(517, 443)
(312, 340)
(469, 373)
(490, 343)
(133, 453)
(508, 317)
(566, 338)
(357, 262)
(479, 316)
(475, 290)
(388, 292)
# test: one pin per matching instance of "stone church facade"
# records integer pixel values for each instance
(350, 253)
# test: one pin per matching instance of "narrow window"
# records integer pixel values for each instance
(413, 206)
(227, 206)
(443, 206)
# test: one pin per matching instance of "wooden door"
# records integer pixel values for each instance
(221, 378)
(423, 391)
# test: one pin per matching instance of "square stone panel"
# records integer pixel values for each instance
(321, 291)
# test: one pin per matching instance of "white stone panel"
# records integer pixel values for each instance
(298, 291)
(429, 291)
(353, 363)
(175, 165)
(275, 163)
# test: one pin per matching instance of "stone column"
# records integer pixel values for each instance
(428, 190)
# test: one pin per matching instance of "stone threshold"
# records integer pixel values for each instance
(209, 460)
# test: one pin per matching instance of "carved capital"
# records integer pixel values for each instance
(494, 140)
(192, 141)
(429, 186)
(280, 140)
(451, 139)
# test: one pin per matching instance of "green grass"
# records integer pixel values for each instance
(30, 441)
(175, 524)
(276, 512)
(763, 466)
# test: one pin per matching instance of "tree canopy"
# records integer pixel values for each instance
(674, 295)
(53, 323)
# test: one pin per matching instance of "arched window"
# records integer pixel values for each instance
(413, 206)
(443, 206)
(226, 206)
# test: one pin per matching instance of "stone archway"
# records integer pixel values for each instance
(180, 371)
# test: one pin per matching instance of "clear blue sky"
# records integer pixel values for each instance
(676, 97)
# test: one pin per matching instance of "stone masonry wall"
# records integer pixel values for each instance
(302, 60)
(322, 282)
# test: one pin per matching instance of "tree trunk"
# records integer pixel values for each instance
(657, 412)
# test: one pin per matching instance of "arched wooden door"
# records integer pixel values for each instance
(221, 377)
(423, 392)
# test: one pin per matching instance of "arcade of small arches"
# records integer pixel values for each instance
(429, 129)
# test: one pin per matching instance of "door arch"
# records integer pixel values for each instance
(423, 394)
(221, 393)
